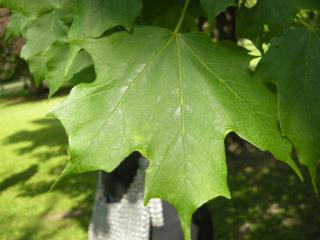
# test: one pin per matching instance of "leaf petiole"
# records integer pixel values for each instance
(183, 13)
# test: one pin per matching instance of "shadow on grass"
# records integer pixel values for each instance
(20, 177)
(268, 200)
(50, 135)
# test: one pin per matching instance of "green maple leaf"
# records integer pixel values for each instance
(51, 47)
(35, 8)
(43, 36)
(172, 97)
(39, 34)
(15, 25)
(92, 18)
(38, 68)
(62, 63)
(47, 51)
(292, 63)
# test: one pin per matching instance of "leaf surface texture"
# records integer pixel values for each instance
(173, 98)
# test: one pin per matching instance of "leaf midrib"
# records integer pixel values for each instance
(182, 130)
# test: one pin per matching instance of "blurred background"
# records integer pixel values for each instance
(269, 201)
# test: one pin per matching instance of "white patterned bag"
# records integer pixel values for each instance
(127, 219)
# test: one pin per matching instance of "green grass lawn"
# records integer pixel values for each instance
(32, 154)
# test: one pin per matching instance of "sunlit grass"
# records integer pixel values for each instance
(32, 155)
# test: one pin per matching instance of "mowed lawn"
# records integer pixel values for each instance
(33, 152)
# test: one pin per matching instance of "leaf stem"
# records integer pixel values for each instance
(183, 13)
